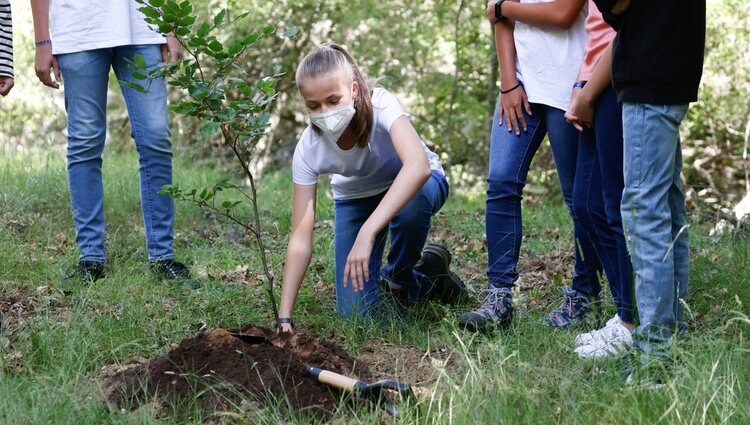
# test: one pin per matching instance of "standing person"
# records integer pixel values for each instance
(6, 48)
(88, 38)
(657, 65)
(540, 47)
(599, 183)
(384, 179)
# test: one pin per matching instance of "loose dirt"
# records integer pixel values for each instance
(222, 371)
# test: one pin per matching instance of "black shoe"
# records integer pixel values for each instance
(85, 273)
(496, 312)
(435, 263)
(172, 271)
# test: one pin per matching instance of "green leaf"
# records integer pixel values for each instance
(210, 129)
(269, 29)
(139, 76)
(150, 12)
(135, 86)
(235, 47)
(215, 46)
(203, 30)
(220, 17)
(156, 3)
(187, 21)
(139, 61)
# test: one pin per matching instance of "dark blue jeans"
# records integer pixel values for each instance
(408, 230)
(597, 195)
(510, 158)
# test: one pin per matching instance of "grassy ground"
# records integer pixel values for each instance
(53, 347)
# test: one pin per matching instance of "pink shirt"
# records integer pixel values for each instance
(598, 35)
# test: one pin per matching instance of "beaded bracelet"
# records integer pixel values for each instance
(43, 42)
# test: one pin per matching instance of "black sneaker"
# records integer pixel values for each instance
(172, 271)
(435, 263)
(649, 375)
(496, 312)
(85, 273)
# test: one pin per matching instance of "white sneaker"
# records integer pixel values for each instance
(588, 337)
(610, 341)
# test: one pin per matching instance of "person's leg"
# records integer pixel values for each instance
(349, 217)
(150, 130)
(680, 239)
(86, 75)
(585, 287)
(510, 158)
(563, 139)
(409, 230)
(608, 127)
(652, 163)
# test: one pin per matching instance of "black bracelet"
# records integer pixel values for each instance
(284, 320)
(43, 42)
(510, 89)
(579, 84)
(499, 10)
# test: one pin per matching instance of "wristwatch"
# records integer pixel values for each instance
(499, 10)
(282, 320)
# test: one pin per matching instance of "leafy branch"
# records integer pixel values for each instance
(234, 107)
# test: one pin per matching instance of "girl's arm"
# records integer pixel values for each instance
(299, 251)
(514, 101)
(580, 113)
(558, 13)
(44, 60)
(413, 174)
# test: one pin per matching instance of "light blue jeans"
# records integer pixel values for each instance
(655, 221)
(409, 229)
(86, 75)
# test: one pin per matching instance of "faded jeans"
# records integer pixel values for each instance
(86, 75)
(655, 221)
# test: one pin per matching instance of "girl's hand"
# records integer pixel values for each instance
(172, 50)
(44, 61)
(285, 327)
(580, 112)
(357, 269)
(512, 106)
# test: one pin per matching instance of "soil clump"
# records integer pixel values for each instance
(222, 371)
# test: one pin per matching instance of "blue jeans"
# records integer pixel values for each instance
(654, 215)
(408, 230)
(597, 196)
(510, 158)
(86, 75)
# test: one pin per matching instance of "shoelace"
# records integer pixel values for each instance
(493, 298)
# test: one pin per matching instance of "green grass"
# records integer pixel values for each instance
(51, 360)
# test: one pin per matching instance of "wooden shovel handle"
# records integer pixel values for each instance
(334, 379)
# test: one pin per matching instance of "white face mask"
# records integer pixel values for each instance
(333, 123)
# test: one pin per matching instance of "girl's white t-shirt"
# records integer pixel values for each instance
(357, 172)
(548, 59)
(80, 25)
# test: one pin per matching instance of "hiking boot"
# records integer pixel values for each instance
(497, 311)
(435, 263)
(173, 271)
(576, 310)
(85, 273)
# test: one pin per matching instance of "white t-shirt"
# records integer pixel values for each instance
(548, 59)
(357, 172)
(80, 25)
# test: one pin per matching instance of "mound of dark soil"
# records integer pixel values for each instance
(220, 369)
